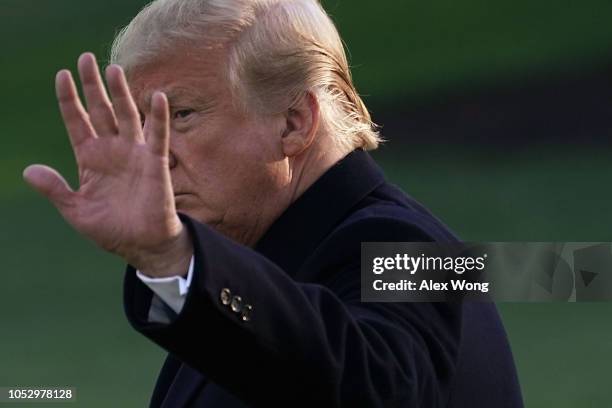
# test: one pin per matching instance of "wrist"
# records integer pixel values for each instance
(169, 259)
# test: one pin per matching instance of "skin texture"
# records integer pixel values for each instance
(171, 139)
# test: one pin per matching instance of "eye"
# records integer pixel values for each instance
(183, 113)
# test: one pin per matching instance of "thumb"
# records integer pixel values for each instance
(49, 183)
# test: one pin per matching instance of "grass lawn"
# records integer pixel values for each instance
(60, 298)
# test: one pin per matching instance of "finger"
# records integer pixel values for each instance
(99, 106)
(50, 184)
(158, 128)
(75, 117)
(126, 112)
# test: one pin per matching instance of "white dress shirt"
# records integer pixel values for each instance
(170, 294)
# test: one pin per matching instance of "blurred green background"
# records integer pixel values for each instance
(60, 297)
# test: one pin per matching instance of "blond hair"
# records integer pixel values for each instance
(278, 50)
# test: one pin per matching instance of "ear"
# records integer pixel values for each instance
(301, 125)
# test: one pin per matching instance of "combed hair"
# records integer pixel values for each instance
(278, 50)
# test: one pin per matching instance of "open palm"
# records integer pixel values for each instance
(125, 201)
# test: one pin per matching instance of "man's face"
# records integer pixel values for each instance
(228, 169)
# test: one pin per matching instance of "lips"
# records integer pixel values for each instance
(180, 197)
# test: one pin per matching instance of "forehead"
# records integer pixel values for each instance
(184, 77)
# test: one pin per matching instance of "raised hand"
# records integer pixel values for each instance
(125, 201)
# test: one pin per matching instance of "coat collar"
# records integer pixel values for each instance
(306, 222)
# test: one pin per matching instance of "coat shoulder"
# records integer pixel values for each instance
(388, 214)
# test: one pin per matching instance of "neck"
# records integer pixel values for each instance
(309, 166)
(299, 173)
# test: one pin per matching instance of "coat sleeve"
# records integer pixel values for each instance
(269, 339)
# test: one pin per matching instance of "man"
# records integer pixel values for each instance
(229, 171)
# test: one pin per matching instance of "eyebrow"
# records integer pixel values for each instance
(182, 95)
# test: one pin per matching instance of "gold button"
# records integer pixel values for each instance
(226, 296)
(247, 310)
(236, 304)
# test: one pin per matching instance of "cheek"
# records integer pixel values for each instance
(261, 158)
(261, 142)
(233, 159)
(253, 176)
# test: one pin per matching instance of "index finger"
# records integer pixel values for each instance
(158, 128)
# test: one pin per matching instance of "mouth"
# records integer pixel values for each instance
(180, 200)
(180, 197)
